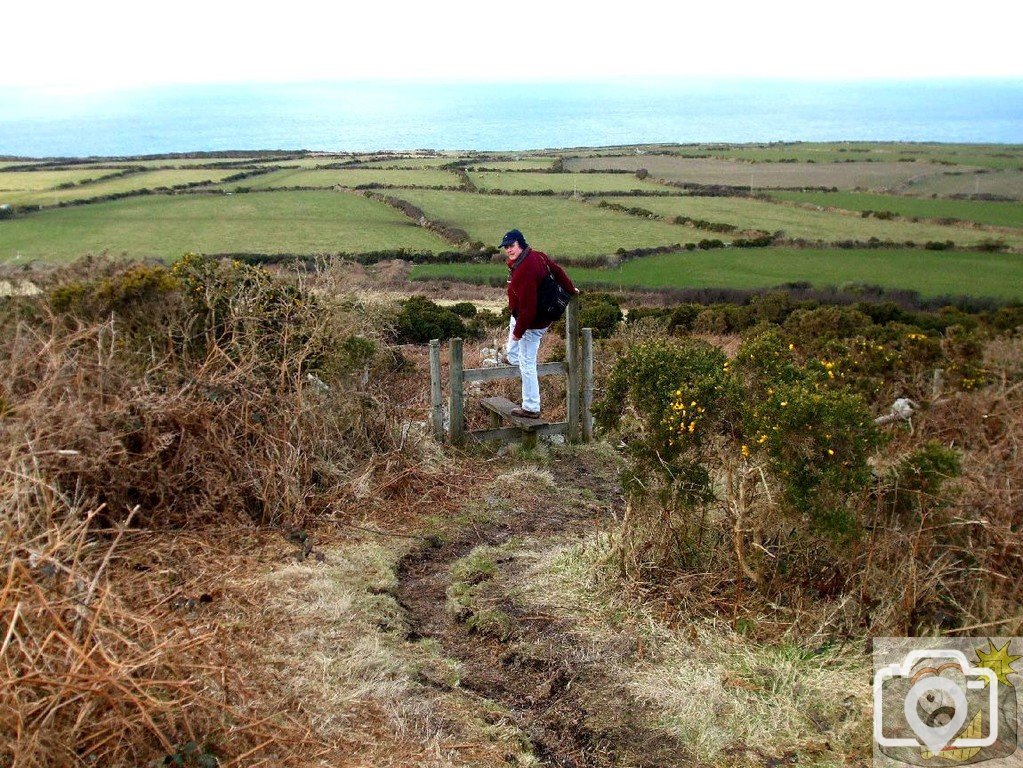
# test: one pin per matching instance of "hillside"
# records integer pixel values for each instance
(232, 540)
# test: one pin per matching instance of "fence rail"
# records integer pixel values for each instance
(577, 368)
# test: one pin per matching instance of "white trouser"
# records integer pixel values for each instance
(523, 354)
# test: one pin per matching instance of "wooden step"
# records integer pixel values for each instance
(502, 406)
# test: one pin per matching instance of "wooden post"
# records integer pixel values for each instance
(572, 355)
(436, 393)
(587, 384)
(457, 428)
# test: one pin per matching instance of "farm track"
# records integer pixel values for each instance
(574, 714)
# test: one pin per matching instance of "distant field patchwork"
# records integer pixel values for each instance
(349, 177)
(169, 226)
(146, 180)
(980, 155)
(16, 185)
(409, 162)
(911, 180)
(797, 222)
(931, 273)
(524, 164)
(1000, 214)
(1006, 183)
(875, 176)
(569, 228)
(587, 183)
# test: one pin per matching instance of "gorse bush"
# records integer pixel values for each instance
(421, 320)
(813, 435)
(727, 456)
(214, 391)
(600, 311)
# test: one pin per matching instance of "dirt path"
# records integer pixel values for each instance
(573, 714)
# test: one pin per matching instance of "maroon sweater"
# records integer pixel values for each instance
(527, 272)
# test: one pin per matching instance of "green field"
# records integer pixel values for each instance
(410, 162)
(1007, 183)
(14, 163)
(798, 222)
(329, 221)
(524, 164)
(167, 226)
(983, 156)
(186, 162)
(566, 228)
(348, 177)
(874, 176)
(587, 183)
(15, 185)
(931, 273)
(980, 211)
(148, 180)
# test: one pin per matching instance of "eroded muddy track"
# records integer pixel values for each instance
(558, 693)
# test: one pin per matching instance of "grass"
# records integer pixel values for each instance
(973, 155)
(708, 686)
(349, 177)
(190, 162)
(510, 181)
(1007, 183)
(410, 162)
(147, 180)
(13, 163)
(763, 175)
(523, 164)
(15, 184)
(980, 211)
(168, 226)
(932, 273)
(565, 229)
(796, 222)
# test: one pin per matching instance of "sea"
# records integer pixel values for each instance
(370, 116)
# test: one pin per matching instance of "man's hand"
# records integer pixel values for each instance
(516, 338)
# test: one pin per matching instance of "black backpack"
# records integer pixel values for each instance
(551, 298)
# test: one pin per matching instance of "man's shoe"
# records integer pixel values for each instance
(523, 413)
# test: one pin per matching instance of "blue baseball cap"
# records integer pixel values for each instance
(513, 236)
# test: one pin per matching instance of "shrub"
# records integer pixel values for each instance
(421, 320)
(683, 317)
(246, 313)
(727, 454)
(139, 295)
(464, 309)
(808, 328)
(915, 483)
(991, 245)
(601, 312)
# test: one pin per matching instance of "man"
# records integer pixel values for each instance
(526, 330)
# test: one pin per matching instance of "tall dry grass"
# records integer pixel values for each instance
(134, 399)
(82, 675)
(956, 562)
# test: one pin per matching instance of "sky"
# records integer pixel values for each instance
(109, 44)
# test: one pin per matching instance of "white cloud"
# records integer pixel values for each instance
(113, 44)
